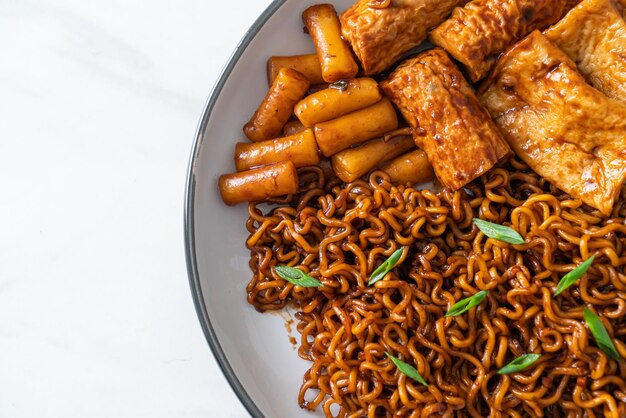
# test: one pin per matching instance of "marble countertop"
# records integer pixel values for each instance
(100, 101)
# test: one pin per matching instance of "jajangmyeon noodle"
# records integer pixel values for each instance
(340, 233)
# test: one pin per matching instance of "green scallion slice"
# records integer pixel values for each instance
(600, 334)
(466, 304)
(499, 232)
(296, 276)
(382, 270)
(407, 369)
(571, 277)
(520, 363)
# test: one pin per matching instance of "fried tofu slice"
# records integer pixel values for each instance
(593, 34)
(564, 129)
(478, 33)
(448, 122)
(379, 35)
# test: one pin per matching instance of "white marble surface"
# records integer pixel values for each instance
(99, 102)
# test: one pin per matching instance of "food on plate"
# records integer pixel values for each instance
(277, 106)
(293, 127)
(564, 129)
(410, 168)
(308, 65)
(593, 35)
(338, 134)
(340, 233)
(448, 122)
(333, 53)
(300, 148)
(478, 33)
(352, 163)
(380, 32)
(337, 100)
(261, 183)
(500, 294)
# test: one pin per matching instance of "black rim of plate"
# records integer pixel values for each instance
(190, 242)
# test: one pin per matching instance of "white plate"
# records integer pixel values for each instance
(253, 349)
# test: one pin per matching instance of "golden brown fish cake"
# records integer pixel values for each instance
(448, 121)
(379, 36)
(593, 34)
(478, 33)
(564, 129)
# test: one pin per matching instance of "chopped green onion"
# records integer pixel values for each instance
(407, 369)
(382, 270)
(466, 304)
(519, 363)
(296, 276)
(499, 232)
(571, 277)
(600, 334)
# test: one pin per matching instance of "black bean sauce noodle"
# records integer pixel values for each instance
(341, 232)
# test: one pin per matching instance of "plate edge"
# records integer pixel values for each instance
(189, 222)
